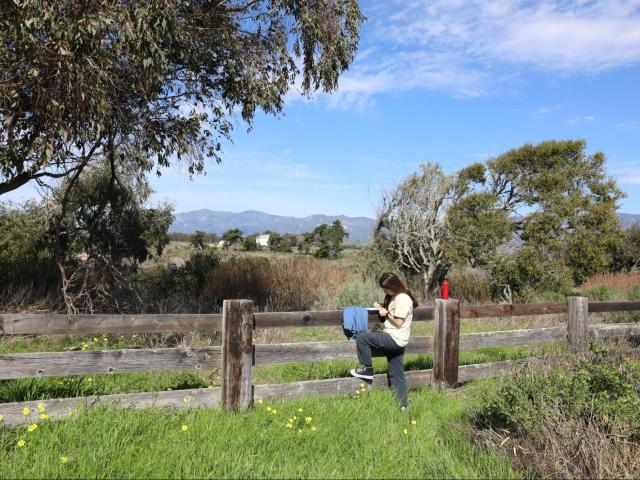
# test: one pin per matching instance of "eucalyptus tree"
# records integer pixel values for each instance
(149, 83)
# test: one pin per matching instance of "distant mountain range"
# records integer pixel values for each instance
(628, 219)
(360, 229)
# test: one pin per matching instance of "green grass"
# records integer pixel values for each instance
(106, 384)
(355, 438)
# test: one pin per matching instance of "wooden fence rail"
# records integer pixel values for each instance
(47, 324)
(237, 355)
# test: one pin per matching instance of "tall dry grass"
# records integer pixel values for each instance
(620, 280)
(291, 283)
(570, 448)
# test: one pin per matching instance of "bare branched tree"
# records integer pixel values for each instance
(411, 219)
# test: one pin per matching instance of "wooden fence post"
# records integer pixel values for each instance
(237, 354)
(446, 343)
(578, 324)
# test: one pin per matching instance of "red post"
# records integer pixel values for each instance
(445, 289)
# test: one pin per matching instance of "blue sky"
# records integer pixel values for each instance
(453, 82)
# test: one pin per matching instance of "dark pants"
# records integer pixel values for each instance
(380, 344)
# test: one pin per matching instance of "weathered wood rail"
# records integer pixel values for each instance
(238, 354)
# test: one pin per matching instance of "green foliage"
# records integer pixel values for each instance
(527, 272)
(475, 229)
(359, 294)
(232, 238)
(371, 261)
(602, 387)
(570, 230)
(249, 243)
(633, 294)
(76, 80)
(575, 220)
(282, 243)
(197, 240)
(307, 243)
(601, 293)
(186, 237)
(102, 216)
(627, 256)
(329, 239)
(24, 260)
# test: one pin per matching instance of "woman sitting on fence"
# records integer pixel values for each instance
(397, 313)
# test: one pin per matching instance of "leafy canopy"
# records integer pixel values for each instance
(557, 199)
(153, 80)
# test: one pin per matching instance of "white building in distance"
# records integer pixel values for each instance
(263, 240)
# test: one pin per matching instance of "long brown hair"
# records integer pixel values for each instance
(392, 282)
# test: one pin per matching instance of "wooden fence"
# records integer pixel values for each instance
(237, 355)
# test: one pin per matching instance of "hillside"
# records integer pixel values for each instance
(360, 229)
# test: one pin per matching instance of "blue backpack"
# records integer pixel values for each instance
(355, 320)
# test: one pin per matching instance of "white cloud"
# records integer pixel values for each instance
(626, 175)
(629, 126)
(253, 180)
(582, 119)
(475, 47)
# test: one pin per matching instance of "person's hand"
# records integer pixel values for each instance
(383, 311)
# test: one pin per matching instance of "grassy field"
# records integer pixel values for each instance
(344, 437)
(104, 384)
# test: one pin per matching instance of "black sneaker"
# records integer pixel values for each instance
(362, 372)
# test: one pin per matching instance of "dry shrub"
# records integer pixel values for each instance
(30, 299)
(573, 417)
(570, 448)
(291, 283)
(620, 280)
(470, 285)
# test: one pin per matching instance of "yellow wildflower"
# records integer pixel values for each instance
(268, 408)
(95, 339)
(21, 443)
(295, 418)
(274, 411)
(32, 427)
(313, 429)
(184, 428)
(210, 386)
(1, 417)
(299, 430)
(44, 416)
(260, 402)
(64, 460)
(413, 423)
(185, 400)
(362, 385)
(300, 410)
(405, 431)
(308, 419)
(289, 425)
(25, 411)
(40, 407)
